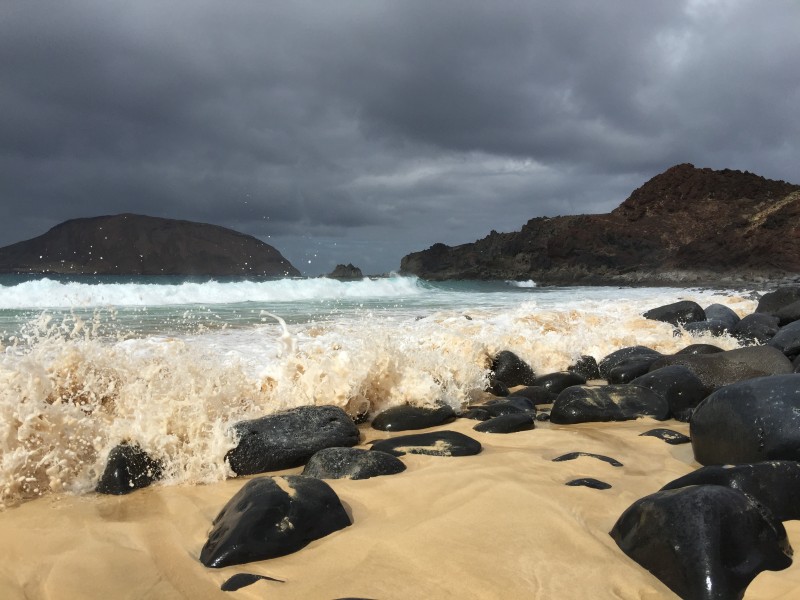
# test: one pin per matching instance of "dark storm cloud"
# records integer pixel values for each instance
(360, 131)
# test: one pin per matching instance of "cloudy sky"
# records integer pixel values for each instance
(359, 131)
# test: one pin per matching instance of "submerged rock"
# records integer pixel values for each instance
(580, 404)
(402, 418)
(128, 468)
(704, 542)
(674, 438)
(438, 443)
(288, 439)
(573, 455)
(352, 463)
(750, 421)
(589, 482)
(272, 516)
(240, 580)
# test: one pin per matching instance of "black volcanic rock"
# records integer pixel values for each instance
(686, 225)
(345, 272)
(130, 244)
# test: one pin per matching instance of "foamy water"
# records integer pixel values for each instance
(171, 365)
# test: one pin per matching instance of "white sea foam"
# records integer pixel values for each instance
(49, 293)
(530, 283)
(67, 395)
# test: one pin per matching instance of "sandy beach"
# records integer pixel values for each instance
(501, 524)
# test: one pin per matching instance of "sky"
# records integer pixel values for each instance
(359, 131)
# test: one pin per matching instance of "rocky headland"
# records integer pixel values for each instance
(129, 244)
(685, 226)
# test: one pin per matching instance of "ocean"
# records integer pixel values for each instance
(170, 363)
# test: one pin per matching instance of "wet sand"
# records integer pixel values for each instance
(501, 524)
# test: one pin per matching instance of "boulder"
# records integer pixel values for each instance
(512, 370)
(789, 313)
(556, 382)
(586, 367)
(714, 327)
(723, 368)
(272, 516)
(510, 423)
(288, 439)
(757, 328)
(345, 272)
(628, 370)
(750, 421)
(681, 388)
(787, 340)
(677, 313)
(438, 443)
(700, 349)
(402, 418)
(580, 404)
(720, 312)
(773, 301)
(774, 484)
(128, 468)
(705, 542)
(619, 357)
(352, 463)
(537, 395)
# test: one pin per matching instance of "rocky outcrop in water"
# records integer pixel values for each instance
(130, 244)
(686, 225)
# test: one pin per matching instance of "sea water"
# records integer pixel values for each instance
(169, 363)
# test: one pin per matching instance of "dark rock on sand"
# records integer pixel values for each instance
(580, 404)
(128, 468)
(700, 349)
(775, 484)
(573, 455)
(345, 272)
(543, 416)
(288, 439)
(438, 443)
(787, 340)
(589, 482)
(403, 418)
(537, 395)
(522, 402)
(757, 328)
(496, 409)
(510, 423)
(352, 463)
(670, 436)
(272, 516)
(629, 369)
(586, 367)
(704, 542)
(618, 357)
(681, 388)
(773, 301)
(476, 414)
(750, 421)
(240, 580)
(677, 313)
(557, 382)
(512, 370)
(724, 368)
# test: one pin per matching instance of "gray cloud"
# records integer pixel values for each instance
(360, 131)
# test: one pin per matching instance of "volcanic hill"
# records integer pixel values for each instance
(131, 244)
(686, 225)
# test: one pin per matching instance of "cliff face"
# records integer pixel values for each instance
(139, 245)
(685, 225)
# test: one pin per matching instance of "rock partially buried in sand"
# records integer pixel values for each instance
(352, 463)
(438, 443)
(704, 542)
(240, 580)
(677, 313)
(674, 438)
(512, 370)
(288, 439)
(750, 421)
(589, 482)
(128, 468)
(558, 382)
(511, 423)
(775, 484)
(272, 516)
(403, 418)
(537, 395)
(573, 455)
(581, 404)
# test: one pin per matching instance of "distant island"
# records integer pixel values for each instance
(129, 244)
(684, 226)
